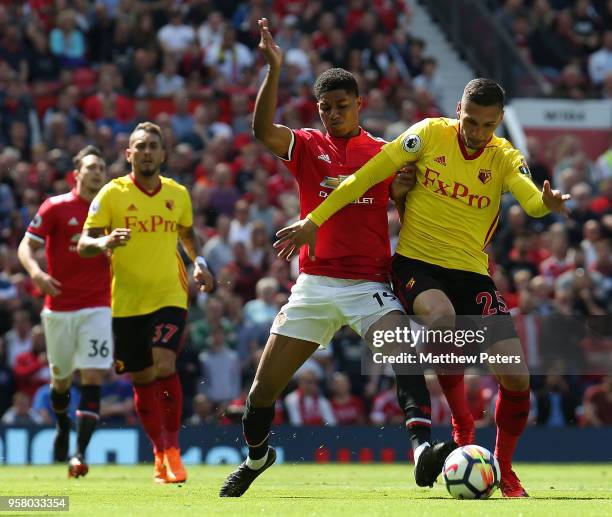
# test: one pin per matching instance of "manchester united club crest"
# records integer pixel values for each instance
(484, 175)
(169, 204)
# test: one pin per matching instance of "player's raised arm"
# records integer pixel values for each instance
(201, 273)
(26, 253)
(275, 137)
(95, 240)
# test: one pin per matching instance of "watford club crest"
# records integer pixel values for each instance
(410, 284)
(169, 204)
(484, 175)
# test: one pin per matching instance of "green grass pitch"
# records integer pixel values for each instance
(305, 489)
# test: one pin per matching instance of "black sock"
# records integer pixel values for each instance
(256, 424)
(60, 402)
(413, 398)
(87, 415)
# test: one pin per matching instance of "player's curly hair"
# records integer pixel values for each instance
(484, 92)
(335, 79)
(86, 151)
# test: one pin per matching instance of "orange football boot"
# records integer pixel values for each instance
(175, 471)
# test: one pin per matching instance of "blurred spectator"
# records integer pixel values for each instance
(67, 42)
(558, 262)
(20, 412)
(556, 402)
(223, 193)
(263, 309)
(385, 409)
(31, 369)
(41, 403)
(182, 120)
(306, 406)
(116, 400)
(600, 62)
(7, 384)
(597, 404)
(430, 81)
(203, 411)
(440, 412)
(348, 408)
(210, 33)
(168, 82)
(229, 58)
(218, 250)
(176, 36)
(19, 338)
(479, 396)
(220, 369)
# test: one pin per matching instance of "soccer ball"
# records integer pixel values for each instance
(471, 472)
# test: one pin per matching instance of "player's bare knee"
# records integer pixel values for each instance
(92, 377)
(515, 382)
(61, 385)
(435, 309)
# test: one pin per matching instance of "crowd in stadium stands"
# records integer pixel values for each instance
(77, 72)
(569, 41)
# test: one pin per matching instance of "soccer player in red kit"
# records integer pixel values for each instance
(77, 316)
(347, 284)
(149, 214)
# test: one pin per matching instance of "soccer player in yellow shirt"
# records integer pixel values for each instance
(141, 217)
(440, 267)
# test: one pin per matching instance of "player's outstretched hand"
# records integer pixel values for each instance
(404, 181)
(118, 237)
(292, 238)
(204, 278)
(554, 200)
(47, 284)
(267, 45)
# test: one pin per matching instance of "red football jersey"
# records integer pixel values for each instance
(86, 282)
(350, 412)
(355, 242)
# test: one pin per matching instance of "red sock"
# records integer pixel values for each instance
(146, 402)
(511, 412)
(172, 408)
(454, 390)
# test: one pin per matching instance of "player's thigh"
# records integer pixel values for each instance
(421, 290)
(365, 304)
(483, 308)
(281, 358)
(133, 344)
(61, 341)
(167, 327)
(311, 313)
(95, 349)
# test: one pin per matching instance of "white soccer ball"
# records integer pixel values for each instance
(471, 472)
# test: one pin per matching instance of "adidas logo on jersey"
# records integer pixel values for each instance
(324, 157)
(441, 160)
(73, 222)
(132, 207)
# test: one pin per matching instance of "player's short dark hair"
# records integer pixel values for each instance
(484, 92)
(88, 150)
(335, 79)
(149, 127)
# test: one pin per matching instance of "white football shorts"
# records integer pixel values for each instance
(320, 305)
(78, 340)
